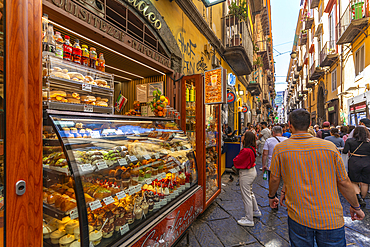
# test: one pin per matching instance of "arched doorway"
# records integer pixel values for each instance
(321, 116)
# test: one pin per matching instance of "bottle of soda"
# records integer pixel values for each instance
(67, 49)
(265, 175)
(76, 52)
(93, 57)
(85, 55)
(48, 43)
(45, 21)
(59, 45)
(101, 62)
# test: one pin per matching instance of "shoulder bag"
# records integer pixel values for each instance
(351, 154)
(277, 139)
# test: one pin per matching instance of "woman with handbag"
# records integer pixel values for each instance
(245, 162)
(358, 148)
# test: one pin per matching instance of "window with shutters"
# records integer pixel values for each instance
(334, 80)
(359, 61)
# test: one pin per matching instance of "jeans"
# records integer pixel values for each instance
(300, 236)
(246, 179)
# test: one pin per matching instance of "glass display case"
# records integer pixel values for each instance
(105, 177)
(212, 146)
(73, 87)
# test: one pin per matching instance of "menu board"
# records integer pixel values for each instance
(214, 86)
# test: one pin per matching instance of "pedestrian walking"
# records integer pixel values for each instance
(312, 171)
(358, 148)
(365, 122)
(325, 131)
(246, 162)
(335, 138)
(263, 136)
(344, 133)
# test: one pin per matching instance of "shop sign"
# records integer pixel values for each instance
(231, 79)
(331, 109)
(360, 108)
(166, 232)
(245, 109)
(230, 97)
(214, 86)
(74, 7)
(143, 8)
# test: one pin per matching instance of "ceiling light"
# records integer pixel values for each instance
(111, 67)
(105, 47)
(122, 77)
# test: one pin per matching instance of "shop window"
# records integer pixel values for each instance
(334, 80)
(359, 61)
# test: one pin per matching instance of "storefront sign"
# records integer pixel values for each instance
(166, 232)
(214, 86)
(331, 109)
(143, 8)
(230, 97)
(74, 7)
(231, 79)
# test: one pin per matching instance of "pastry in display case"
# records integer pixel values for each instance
(125, 171)
(70, 86)
(212, 154)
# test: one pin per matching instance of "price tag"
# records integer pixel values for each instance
(95, 205)
(173, 170)
(148, 180)
(156, 156)
(86, 87)
(163, 202)
(102, 165)
(73, 214)
(178, 148)
(121, 195)
(134, 189)
(132, 158)
(124, 229)
(122, 162)
(86, 167)
(108, 200)
(95, 134)
(88, 108)
(147, 157)
(157, 206)
(172, 150)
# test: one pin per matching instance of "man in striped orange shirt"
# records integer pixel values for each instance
(312, 171)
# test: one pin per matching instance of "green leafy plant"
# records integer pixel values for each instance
(258, 62)
(239, 10)
(255, 47)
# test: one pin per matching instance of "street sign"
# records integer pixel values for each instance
(230, 97)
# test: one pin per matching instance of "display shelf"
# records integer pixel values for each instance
(53, 212)
(78, 107)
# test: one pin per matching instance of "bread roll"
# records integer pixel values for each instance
(57, 69)
(102, 103)
(98, 98)
(88, 79)
(88, 99)
(76, 75)
(50, 199)
(61, 75)
(105, 100)
(65, 71)
(75, 95)
(101, 82)
(75, 79)
(73, 100)
(44, 71)
(54, 94)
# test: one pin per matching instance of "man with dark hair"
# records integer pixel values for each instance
(313, 171)
(325, 131)
(263, 136)
(286, 132)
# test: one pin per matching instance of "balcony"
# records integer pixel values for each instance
(309, 83)
(314, 3)
(254, 88)
(316, 72)
(328, 54)
(265, 21)
(264, 53)
(303, 39)
(353, 21)
(257, 6)
(238, 45)
(267, 100)
(308, 23)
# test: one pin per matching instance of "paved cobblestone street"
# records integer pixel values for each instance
(217, 226)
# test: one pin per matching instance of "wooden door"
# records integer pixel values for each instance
(23, 122)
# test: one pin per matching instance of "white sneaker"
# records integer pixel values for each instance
(245, 222)
(257, 213)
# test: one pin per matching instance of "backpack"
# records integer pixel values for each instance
(325, 133)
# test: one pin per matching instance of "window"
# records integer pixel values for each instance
(359, 60)
(313, 93)
(334, 80)
(332, 29)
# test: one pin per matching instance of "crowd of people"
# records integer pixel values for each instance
(308, 159)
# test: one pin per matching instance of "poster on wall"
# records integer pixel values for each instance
(154, 86)
(142, 93)
(214, 87)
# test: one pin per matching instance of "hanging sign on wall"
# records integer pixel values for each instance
(215, 86)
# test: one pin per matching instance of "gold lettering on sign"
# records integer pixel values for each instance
(142, 7)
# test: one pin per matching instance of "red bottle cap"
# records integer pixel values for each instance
(66, 37)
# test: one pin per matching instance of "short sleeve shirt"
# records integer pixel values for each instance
(310, 168)
(270, 145)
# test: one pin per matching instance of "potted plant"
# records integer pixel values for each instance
(239, 11)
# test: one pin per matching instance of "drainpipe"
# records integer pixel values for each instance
(341, 70)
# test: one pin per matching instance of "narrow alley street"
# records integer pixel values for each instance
(217, 226)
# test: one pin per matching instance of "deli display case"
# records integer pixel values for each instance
(106, 178)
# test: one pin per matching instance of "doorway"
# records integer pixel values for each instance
(321, 116)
